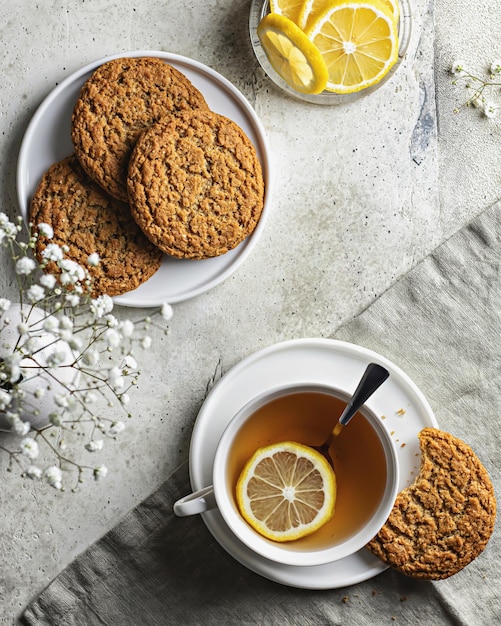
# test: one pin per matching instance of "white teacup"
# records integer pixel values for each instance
(365, 463)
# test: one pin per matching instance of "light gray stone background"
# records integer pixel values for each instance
(362, 193)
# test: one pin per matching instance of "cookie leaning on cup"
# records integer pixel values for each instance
(86, 220)
(195, 184)
(444, 519)
(122, 98)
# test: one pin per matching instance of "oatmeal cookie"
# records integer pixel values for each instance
(119, 100)
(444, 520)
(195, 184)
(86, 220)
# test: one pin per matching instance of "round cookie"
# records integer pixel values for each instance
(444, 520)
(122, 98)
(195, 184)
(86, 220)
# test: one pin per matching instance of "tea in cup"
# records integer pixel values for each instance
(365, 467)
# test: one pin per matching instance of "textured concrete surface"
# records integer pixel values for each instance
(362, 193)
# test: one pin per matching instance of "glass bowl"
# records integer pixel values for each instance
(259, 8)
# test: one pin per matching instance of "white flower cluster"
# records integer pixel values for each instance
(65, 359)
(479, 86)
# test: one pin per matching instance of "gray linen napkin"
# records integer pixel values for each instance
(441, 323)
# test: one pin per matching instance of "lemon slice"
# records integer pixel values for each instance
(286, 491)
(291, 54)
(288, 8)
(359, 42)
(311, 10)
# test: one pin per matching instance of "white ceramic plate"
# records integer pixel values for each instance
(48, 140)
(323, 361)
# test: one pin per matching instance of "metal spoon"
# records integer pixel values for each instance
(374, 376)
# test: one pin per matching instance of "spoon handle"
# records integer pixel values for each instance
(373, 377)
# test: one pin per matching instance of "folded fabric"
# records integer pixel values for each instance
(441, 323)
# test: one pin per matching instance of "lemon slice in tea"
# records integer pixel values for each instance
(359, 43)
(292, 55)
(286, 491)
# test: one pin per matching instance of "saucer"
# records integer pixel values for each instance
(322, 361)
(48, 139)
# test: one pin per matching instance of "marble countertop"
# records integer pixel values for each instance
(362, 192)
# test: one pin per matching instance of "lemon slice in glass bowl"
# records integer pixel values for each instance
(358, 40)
(311, 10)
(288, 8)
(286, 491)
(292, 55)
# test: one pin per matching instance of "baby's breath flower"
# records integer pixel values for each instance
(127, 328)
(35, 293)
(166, 311)
(125, 398)
(53, 252)
(32, 471)
(55, 418)
(146, 342)
(39, 393)
(51, 324)
(100, 472)
(490, 109)
(61, 400)
(48, 281)
(115, 378)
(130, 362)
(24, 266)
(19, 427)
(4, 305)
(46, 230)
(111, 321)
(29, 447)
(5, 399)
(23, 328)
(59, 356)
(65, 322)
(72, 299)
(9, 231)
(94, 445)
(90, 357)
(116, 428)
(112, 338)
(496, 67)
(93, 259)
(75, 343)
(71, 272)
(54, 477)
(457, 68)
(100, 306)
(89, 398)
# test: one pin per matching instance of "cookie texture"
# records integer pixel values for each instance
(119, 100)
(444, 520)
(195, 184)
(86, 220)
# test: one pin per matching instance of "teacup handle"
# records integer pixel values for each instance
(196, 502)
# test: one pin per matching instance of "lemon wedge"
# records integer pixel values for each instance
(359, 43)
(286, 491)
(292, 55)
